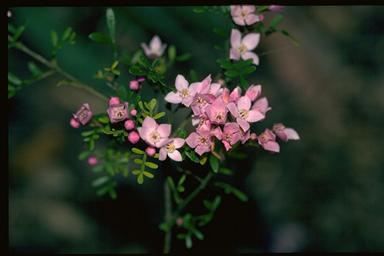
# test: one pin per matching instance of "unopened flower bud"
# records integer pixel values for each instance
(140, 79)
(92, 161)
(133, 112)
(74, 123)
(151, 151)
(253, 136)
(133, 137)
(114, 101)
(134, 85)
(179, 221)
(129, 125)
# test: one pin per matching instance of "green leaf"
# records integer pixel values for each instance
(14, 79)
(138, 161)
(183, 57)
(137, 151)
(214, 163)
(151, 165)
(276, 21)
(87, 133)
(172, 53)
(99, 38)
(182, 179)
(262, 8)
(137, 71)
(35, 70)
(140, 178)
(152, 104)
(203, 160)
(287, 34)
(192, 155)
(232, 73)
(111, 23)
(67, 33)
(159, 115)
(248, 70)
(84, 155)
(100, 180)
(225, 171)
(199, 10)
(198, 234)
(228, 189)
(148, 174)
(98, 168)
(103, 119)
(136, 172)
(19, 31)
(188, 241)
(54, 38)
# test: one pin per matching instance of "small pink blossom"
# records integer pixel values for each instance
(242, 47)
(284, 133)
(275, 8)
(201, 102)
(153, 134)
(230, 135)
(133, 112)
(155, 48)
(244, 15)
(243, 113)
(84, 114)
(202, 121)
(92, 161)
(245, 136)
(140, 79)
(267, 140)
(134, 85)
(231, 97)
(133, 137)
(118, 112)
(217, 111)
(150, 151)
(253, 136)
(184, 94)
(114, 101)
(74, 123)
(179, 221)
(129, 125)
(170, 150)
(253, 92)
(200, 141)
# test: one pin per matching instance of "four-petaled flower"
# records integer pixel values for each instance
(154, 134)
(267, 140)
(118, 112)
(284, 133)
(84, 114)
(155, 49)
(170, 149)
(242, 47)
(184, 93)
(200, 141)
(217, 111)
(230, 135)
(244, 15)
(243, 113)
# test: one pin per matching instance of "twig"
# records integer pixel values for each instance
(167, 217)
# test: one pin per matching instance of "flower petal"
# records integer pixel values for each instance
(181, 83)
(253, 92)
(173, 97)
(162, 154)
(244, 103)
(234, 54)
(147, 51)
(178, 142)
(176, 156)
(155, 43)
(192, 140)
(251, 40)
(251, 55)
(291, 134)
(251, 19)
(243, 124)
(239, 20)
(233, 109)
(226, 145)
(254, 116)
(162, 142)
(271, 146)
(201, 149)
(164, 130)
(148, 126)
(261, 105)
(235, 38)
(235, 10)
(187, 101)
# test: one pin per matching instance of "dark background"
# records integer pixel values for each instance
(324, 192)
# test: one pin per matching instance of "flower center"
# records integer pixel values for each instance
(220, 117)
(203, 140)
(244, 13)
(200, 101)
(155, 136)
(170, 148)
(242, 48)
(243, 113)
(184, 93)
(228, 137)
(263, 138)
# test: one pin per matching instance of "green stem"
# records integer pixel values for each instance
(53, 66)
(167, 217)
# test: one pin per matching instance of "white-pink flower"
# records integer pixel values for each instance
(153, 134)
(155, 48)
(284, 133)
(243, 113)
(242, 47)
(184, 94)
(244, 15)
(170, 150)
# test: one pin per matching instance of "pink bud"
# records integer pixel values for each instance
(134, 85)
(140, 79)
(74, 123)
(133, 137)
(261, 17)
(114, 101)
(179, 221)
(129, 125)
(151, 151)
(133, 112)
(275, 8)
(92, 161)
(253, 136)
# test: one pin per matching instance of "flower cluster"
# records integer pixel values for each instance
(224, 115)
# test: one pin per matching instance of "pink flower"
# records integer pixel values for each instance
(133, 137)
(230, 135)
(253, 92)
(74, 123)
(118, 112)
(284, 133)
(114, 101)
(267, 140)
(129, 125)
(275, 8)
(253, 136)
(150, 151)
(244, 15)
(217, 111)
(184, 93)
(245, 136)
(170, 149)
(200, 141)
(92, 161)
(155, 49)
(243, 112)
(201, 102)
(153, 134)
(133, 112)
(134, 85)
(84, 114)
(202, 121)
(242, 47)
(231, 97)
